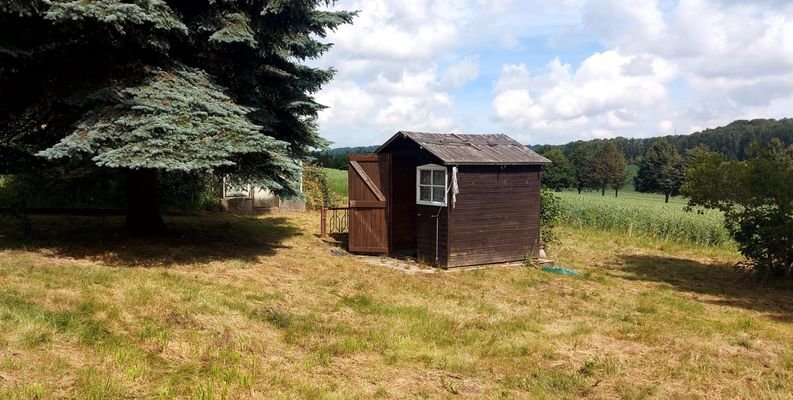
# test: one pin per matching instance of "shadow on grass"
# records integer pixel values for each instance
(723, 284)
(339, 240)
(193, 239)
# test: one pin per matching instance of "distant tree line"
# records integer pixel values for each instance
(731, 140)
(337, 158)
(600, 166)
(662, 162)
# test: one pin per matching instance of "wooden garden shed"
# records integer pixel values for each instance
(451, 200)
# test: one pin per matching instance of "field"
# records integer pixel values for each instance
(232, 307)
(337, 182)
(638, 214)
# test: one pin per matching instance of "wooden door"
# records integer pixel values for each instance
(369, 190)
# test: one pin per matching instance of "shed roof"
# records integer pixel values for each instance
(467, 149)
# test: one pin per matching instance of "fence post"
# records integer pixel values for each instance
(324, 215)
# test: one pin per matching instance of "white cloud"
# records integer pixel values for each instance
(606, 93)
(659, 65)
(461, 72)
(732, 54)
(413, 113)
(409, 83)
(347, 104)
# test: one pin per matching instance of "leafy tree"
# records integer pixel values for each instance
(756, 198)
(619, 175)
(661, 170)
(560, 174)
(582, 160)
(151, 86)
(608, 168)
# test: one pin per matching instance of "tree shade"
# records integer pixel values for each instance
(164, 85)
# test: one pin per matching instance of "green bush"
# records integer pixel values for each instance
(190, 191)
(756, 198)
(550, 214)
(315, 188)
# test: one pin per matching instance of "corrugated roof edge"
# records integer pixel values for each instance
(537, 158)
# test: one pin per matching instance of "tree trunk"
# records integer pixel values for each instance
(616, 193)
(143, 202)
(579, 190)
(603, 191)
(667, 198)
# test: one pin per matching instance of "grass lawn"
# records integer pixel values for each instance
(233, 307)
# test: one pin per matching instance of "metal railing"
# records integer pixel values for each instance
(334, 220)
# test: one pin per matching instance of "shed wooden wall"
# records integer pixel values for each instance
(426, 238)
(497, 215)
(496, 218)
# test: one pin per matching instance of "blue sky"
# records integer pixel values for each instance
(556, 71)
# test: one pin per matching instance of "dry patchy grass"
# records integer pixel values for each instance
(230, 307)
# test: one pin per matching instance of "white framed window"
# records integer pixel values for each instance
(431, 184)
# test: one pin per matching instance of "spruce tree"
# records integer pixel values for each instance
(148, 86)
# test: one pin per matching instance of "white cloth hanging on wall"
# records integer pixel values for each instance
(455, 188)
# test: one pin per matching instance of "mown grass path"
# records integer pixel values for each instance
(233, 307)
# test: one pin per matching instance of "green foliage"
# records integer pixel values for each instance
(174, 121)
(550, 215)
(176, 86)
(756, 197)
(582, 159)
(651, 219)
(315, 187)
(731, 140)
(661, 170)
(560, 174)
(191, 191)
(607, 168)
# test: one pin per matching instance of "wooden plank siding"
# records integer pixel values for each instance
(426, 238)
(496, 218)
(369, 215)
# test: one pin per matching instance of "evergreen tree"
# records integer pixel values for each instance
(148, 86)
(560, 174)
(661, 170)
